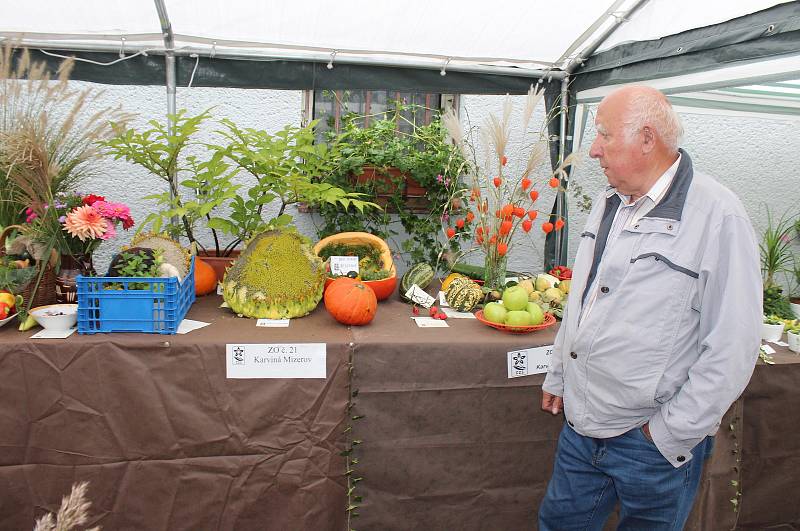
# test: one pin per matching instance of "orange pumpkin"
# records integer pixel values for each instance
(350, 301)
(205, 278)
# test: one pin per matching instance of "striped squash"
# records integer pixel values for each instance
(420, 274)
(463, 295)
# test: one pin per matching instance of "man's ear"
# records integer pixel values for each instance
(649, 139)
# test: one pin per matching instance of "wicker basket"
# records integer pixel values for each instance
(46, 292)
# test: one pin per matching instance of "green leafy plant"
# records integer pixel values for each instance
(775, 246)
(422, 154)
(773, 320)
(140, 264)
(287, 167)
(370, 265)
(191, 200)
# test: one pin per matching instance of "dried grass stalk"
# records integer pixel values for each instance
(74, 511)
(48, 135)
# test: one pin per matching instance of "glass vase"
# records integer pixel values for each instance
(71, 267)
(494, 276)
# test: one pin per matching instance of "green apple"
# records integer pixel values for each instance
(515, 298)
(537, 315)
(518, 318)
(494, 312)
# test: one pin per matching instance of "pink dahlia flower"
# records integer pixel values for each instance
(85, 223)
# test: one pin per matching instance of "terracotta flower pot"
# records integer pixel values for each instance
(220, 264)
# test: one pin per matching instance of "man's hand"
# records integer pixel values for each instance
(552, 403)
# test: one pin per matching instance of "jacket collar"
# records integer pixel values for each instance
(671, 205)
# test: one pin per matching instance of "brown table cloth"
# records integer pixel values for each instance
(448, 441)
(165, 439)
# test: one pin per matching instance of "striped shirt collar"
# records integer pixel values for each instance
(657, 191)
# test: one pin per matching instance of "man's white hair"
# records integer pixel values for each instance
(652, 108)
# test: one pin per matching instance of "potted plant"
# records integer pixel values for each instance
(284, 168)
(794, 298)
(793, 335)
(197, 186)
(411, 170)
(772, 328)
(776, 257)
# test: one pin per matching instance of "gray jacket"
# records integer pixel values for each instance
(674, 333)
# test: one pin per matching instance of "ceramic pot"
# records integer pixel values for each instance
(771, 332)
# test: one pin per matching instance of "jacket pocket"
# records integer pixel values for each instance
(658, 257)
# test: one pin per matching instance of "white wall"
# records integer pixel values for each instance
(756, 157)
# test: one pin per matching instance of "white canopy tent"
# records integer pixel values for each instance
(580, 49)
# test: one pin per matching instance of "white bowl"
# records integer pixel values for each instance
(56, 316)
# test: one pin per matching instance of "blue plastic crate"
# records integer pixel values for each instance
(157, 309)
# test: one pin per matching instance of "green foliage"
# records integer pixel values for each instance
(190, 201)
(775, 303)
(424, 154)
(14, 279)
(775, 246)
(370, 265)
(287, 167)
(140, 264)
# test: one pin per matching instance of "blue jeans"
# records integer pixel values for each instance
(591, 475)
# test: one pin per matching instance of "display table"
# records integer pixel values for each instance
(448, 441)
(165, 439)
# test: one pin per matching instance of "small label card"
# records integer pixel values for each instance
(53, 334)
(449, 312)
(430, 322)
(529, 361)
(273, 323)
(418, 295)
(442, 300)
(768, 349)
(280, 360)
(219, 288)
(341, 265)
(187, 325)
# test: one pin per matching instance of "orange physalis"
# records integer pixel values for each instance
(470, 217)
(493, 239)
(519, 211)
(525, 183)
(505, 227)
(507, 210)
(554, 182)
(559, 224)
(502, 248)
(479, 230)
(460, 223)
(532, 214)
(526, 225)
(479, 238)
(497, 182)
(451, 232)
(504, 160)
(547, 227)
(534, 195)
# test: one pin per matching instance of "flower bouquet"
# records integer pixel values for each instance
(496, 203)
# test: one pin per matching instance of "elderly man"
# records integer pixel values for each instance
(662, 329)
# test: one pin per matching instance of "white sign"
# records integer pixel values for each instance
(768, 349)
(443, 300)
(273, 323)
(430, 322)
(529, 361)
(187, 325)
(279, 360)
(449, 312)
(418, 295)
(341, 265)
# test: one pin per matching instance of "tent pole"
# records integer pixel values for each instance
(169, 60)
(561, 235)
